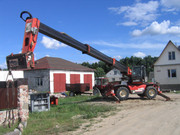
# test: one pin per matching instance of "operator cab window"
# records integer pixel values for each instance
(98, 82)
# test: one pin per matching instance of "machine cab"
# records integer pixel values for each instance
(101, 82)
(139, 73)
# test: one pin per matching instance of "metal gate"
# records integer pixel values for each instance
(8, 96)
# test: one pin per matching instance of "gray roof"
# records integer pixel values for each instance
(59, 64)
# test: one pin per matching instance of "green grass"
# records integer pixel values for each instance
(67, 116)
(5, 129)
(177, 92)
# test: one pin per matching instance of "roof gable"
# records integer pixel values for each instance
(59, 64)
(111, 72)
(178, 48)
(163, 58)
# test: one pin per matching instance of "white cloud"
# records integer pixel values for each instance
(118, 57)
(89, 61)
(130, 23)
(107, 51)
(3, 65)
(51, 43)
(93, 61)
(171, 5)
(47, 55)
(158, 29)
(139, 54)
(144, 45)
(177, 22)
(139, 12)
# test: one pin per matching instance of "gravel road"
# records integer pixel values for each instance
(139, 117)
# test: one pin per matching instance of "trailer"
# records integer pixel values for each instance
(78, 89)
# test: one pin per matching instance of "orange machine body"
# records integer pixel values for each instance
(30, 35)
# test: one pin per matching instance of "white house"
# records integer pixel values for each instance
(51, 74)
(16, 75)
(167, 67)
(114, 75)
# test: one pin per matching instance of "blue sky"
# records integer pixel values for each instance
(118, 28)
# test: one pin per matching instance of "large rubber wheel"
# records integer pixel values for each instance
(78, 93)
(150, 92)
(96, 92)
(71, 94)
(122, 93)
(141, 95)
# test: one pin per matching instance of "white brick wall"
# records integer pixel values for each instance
(16, 74)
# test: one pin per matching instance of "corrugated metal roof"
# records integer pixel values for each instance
(59, 64)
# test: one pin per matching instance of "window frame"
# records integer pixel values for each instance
(115, 72)
(39, 81)
(171, 55)
(172, 73)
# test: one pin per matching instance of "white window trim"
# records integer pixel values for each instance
(171, 73)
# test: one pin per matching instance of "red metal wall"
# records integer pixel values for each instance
(59, 82)
(88, 79)
(74, 78)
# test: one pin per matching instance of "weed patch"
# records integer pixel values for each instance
(68, 115)
(5, 129)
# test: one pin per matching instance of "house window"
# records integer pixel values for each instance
(39, 81)
(115, 72)
(113, 79)
(171, 73)
(171, 55)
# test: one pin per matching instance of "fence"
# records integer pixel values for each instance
(20, 101)
(8, 96)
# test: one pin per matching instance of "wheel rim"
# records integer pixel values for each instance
(71, 93)
(151, 92)
(123, 93)
(95, 92)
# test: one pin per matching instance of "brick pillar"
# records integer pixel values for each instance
(23, 110)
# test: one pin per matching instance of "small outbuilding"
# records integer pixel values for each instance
(114, 75)
(51, 74)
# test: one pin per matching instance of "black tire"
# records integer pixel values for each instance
(78, 93)
(122, 93)
(104, 95)
(96, 92)
(71, 94)
(141, 95)
(150, 92)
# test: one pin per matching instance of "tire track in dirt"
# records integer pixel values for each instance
(146, 117)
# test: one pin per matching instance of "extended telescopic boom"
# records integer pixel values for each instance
(33, 26)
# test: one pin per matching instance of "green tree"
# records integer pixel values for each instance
(147, 61)
(102, 68)
(96, 65)
(86, 64)
(99, 72)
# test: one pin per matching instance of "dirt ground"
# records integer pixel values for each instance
(138, 117)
